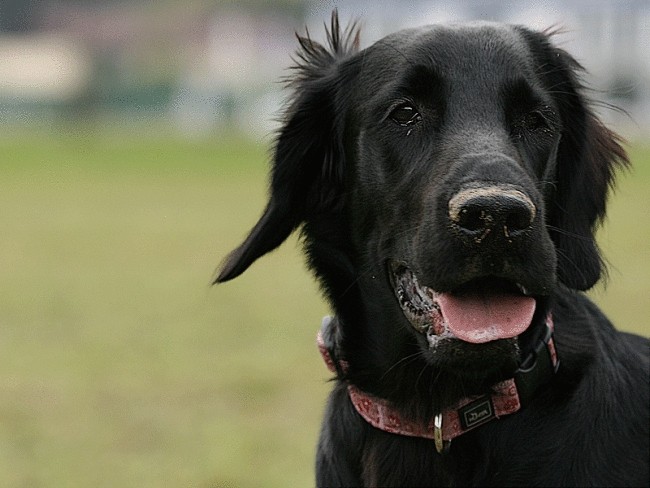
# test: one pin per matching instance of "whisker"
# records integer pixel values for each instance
(406, 359)
(565, 232)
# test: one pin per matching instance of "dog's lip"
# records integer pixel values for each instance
(417, 302)
(481, 310)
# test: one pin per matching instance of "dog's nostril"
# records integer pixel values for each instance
(476, 211)
(518, 216)
(474, 218)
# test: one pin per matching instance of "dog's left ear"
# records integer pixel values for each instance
(587, 158)
(308, 161)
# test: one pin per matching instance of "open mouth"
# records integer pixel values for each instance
(482, 310)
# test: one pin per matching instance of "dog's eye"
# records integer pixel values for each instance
(534, 121)
(531, 122)
(405, 114)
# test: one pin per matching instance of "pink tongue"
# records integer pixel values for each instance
(481, 318)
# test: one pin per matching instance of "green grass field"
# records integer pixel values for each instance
(121, 366)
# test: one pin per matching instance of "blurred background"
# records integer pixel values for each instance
(134, 139)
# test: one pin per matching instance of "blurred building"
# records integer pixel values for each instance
(205, 64)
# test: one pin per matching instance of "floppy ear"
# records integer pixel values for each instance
(587, 157)
(307, 172)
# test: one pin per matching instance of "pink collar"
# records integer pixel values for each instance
(469, 413)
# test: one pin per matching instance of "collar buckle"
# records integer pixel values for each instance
(538, 366)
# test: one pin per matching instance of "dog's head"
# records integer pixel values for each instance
(447, 180)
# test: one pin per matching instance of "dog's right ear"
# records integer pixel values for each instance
(307, 174)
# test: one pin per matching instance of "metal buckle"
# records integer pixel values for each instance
(442, 446)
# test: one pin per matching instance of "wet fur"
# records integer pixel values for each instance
(589, 425)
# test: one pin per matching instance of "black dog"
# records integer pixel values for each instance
(448, 181)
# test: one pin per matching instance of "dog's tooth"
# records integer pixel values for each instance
(522, 289)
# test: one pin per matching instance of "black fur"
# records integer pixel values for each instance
(495, 105)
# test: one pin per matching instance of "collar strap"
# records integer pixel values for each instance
(508, 396)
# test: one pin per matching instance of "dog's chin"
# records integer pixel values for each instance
(462, 359)
(472, 330)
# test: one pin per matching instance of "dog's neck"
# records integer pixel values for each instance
(507, 396)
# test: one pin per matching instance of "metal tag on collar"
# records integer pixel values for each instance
(442, 446)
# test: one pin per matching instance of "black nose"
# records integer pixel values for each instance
(492, 212)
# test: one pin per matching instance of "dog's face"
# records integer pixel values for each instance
(453, 143)
(447, 180)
